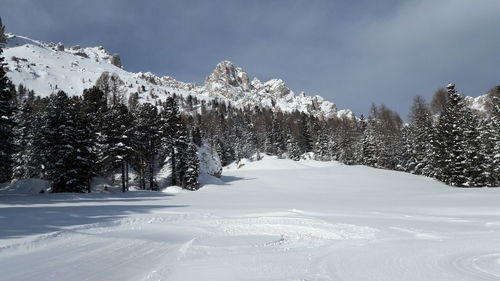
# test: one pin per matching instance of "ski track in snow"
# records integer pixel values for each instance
(260, 225)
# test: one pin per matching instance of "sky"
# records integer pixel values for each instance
(353, 53)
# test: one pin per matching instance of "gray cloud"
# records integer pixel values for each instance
(351, 52)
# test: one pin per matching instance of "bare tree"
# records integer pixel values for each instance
(3, 38)
(112, 86)
(439, 100)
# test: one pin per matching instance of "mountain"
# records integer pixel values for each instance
(49, 67)
(477, 103)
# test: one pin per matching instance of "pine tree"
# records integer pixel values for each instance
(369, 144)
(173, 137)
(488, 140)
(449, 144)
(493, 106)
(115, 142)
(6, 122)
(293, 148)
(347, 137)
(147, 142)
(84, 144)
(69, 167)
(277, 138)
(192, 168)
(419, 134)
(474, 163)
(323, 149)
(26, 161)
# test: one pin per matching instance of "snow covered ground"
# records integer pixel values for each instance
(270, 220)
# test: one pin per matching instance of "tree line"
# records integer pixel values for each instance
(69, 140)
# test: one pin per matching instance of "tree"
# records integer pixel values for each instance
(277, 139)
(3, 38)
(190, 180)
(84, 144)
(324, 146)
(419, 135)
(492, 139)
(449, 145)
(439, 101)
(6, 120)
(369, 144)
(26, 159)
(66, 147)
(112, 86)
(387, 127)
(347, 137)
(147, 143)
(115, 142)
(293, 148)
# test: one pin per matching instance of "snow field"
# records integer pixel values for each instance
(269, 220)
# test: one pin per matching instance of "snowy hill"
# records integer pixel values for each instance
(274, 219)
(49, 67)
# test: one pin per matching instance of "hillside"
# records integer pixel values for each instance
(270, 220)
(48, 67)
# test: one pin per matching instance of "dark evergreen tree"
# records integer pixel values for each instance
(474, 159)
(66, 148)
(84, 147)
(27, 163)
(7, 102)
(417, 143)
(293, 148)
(493, 107)
(190, 180)
(449, 145)
(323, 148)
(147, 143)
(277, 139)
(115, 142)
(173, 137)
(369, 145)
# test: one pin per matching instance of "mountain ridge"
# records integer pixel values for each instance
(49, 67)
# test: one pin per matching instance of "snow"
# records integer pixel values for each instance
(41, 67)
(210, 163)
(272, 219)
(26, 186)
(46, 69)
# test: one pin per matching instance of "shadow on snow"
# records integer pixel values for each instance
(20, 216)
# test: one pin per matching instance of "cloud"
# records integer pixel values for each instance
(352, 52)
(424, 45)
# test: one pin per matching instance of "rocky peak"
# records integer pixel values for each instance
(277, 88)
(227, 73)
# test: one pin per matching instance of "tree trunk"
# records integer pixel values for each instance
(151, 172)
(172, 157)
(123, 176)
(126, 175)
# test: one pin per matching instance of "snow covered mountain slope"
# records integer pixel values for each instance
(274, 219)
(48, 67)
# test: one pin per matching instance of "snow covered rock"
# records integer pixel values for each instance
(115, 60)
(210, 163)
(231, 83)
(226, 73)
